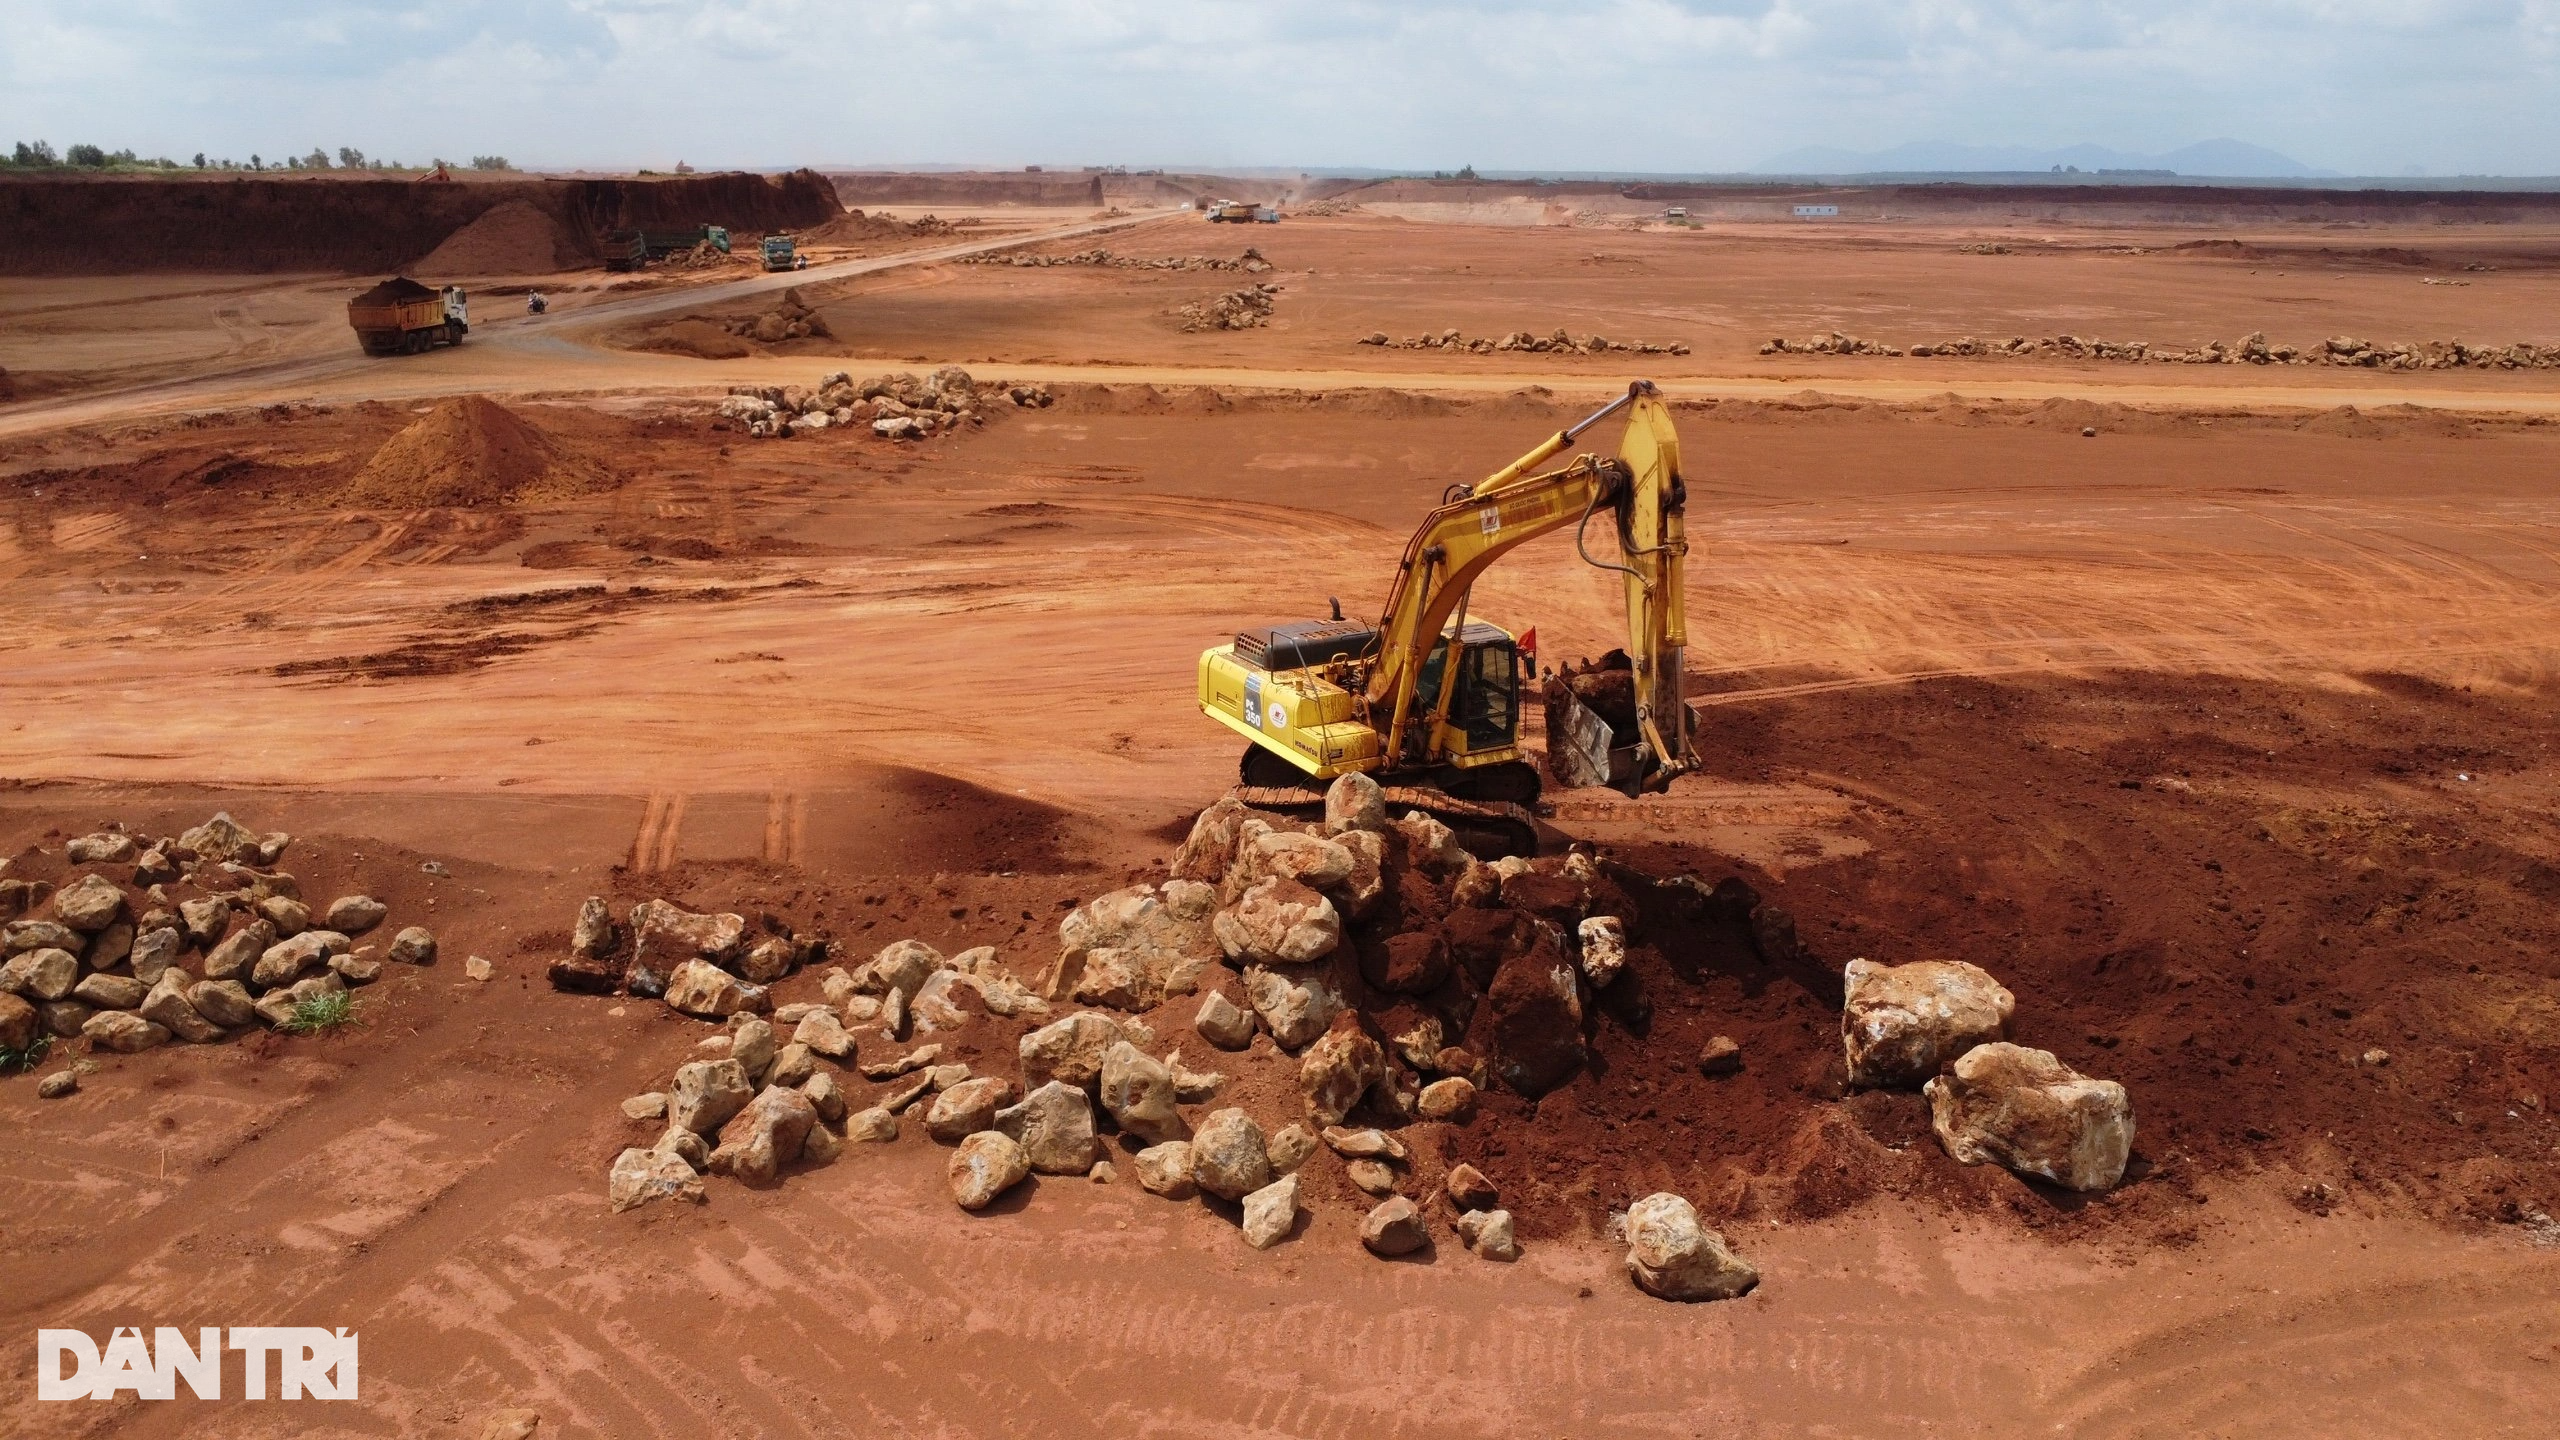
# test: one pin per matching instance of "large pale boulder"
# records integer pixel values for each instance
(1069, 1050)
(1279, 922)
(1354, 802)
(1270, 1212)
(89, 904)
(640, 1176)
(107, 847)
(1229, 1158)
(765, 1136)
(22, 936)
(123, 1032)
(224, 1002)
(707, 1093)
(1312, 861)
(1209, 852)
(702, 989)
(901, 966)
(205, 918)
(1671, 1255)
(1358, 894)
(1901, 1023)
(1294, 1011)
(289, 960)
(986, 1165)
(824, 1034)
(1489, 1234)
(1138, 1091)
(414, 945)
(355, 914)
(2026, 1110)
(1604, 949)
(1338, 1069)
(167, 1006)
(967, 1108)
(220, 838)
(154, 951)
(1054, 1126)
(40, 974)
(1159, 939)
(753, 1045)
(1223, 1023)
(239, 951)
(664, 937)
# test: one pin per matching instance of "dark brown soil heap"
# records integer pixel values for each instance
(471, 451)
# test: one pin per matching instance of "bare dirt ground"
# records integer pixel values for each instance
(2221, 736)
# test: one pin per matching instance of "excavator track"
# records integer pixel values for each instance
(1489, 829)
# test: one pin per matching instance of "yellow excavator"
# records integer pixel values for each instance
(1427, 700)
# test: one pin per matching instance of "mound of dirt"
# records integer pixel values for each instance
(471, 451)
(696, 339)
(513, 238)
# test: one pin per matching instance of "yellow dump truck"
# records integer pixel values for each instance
(402, 317)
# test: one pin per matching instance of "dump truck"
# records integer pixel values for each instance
(402, 317)
(779, 254)
(1231, 212)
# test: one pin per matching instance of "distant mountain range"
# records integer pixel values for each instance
(2236, 158)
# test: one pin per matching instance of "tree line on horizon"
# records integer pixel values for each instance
(40, 155)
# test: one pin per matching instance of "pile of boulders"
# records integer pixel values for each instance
(1250, 262)
(1942, 1025)
(1245, 309)
(897, 406)
(195, 937)
(1834, 343)
(1557, 342)
(2250, 349)
(1985, 247)
(789, 318)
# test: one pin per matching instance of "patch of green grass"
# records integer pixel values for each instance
(26, 1059)
(322, 1012)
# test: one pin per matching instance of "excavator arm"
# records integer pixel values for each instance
(1640, 488)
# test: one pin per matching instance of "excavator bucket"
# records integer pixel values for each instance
(1577, 740)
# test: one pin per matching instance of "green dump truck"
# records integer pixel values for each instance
(780, 254)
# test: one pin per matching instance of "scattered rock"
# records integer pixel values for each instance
(1469, 1190)
(1670, 1255)
(1279, 922)
(1229, 1158)
(290, 916)
(356, 969)
(652, 1106)
(769, 959)
(1489, 1234)
(167, 1006)
(224, 1002)
(19, 1023)
(1054, 1126)
(1536, 1003)
(824, 1034)
(1901, 1023)
(1721, 1055)
(1159, 938)
(1069, 1050)
(753, 1046)
(40, 974)
(707, 1094)
(25, 935)
(1270, 1211)
(1223, 1023)
(1354, 802)
(825, 1096)
(986, 1165)
(1338, 1070)
(640, 1176)
(1209, 852)
(1364, 1144)
(123, 1032)
(967, 1108)
(155, 950)
(89, 904)
(906, 1064)
(765, 1136)
(1376, 1177)
(414, 946)
(355, 914)
(705, 990)
(1166, 1170)
(289, 960)
(107, 847)
(664, 937)
(58, 1085)
(1394, 1228)
(110, 992)
(878, 1126)
(1138, 1092)
(1289, 1148)
(511, 1424)
(2028, 1111)
(205, 918)
(1604, 949)
(1296, 1012)
(239, 951)
(1452, 1100)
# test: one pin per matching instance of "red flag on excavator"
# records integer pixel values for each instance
(1529, 648)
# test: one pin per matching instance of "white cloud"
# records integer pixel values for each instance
(2365, 86)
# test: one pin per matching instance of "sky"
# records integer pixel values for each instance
(2364, 87)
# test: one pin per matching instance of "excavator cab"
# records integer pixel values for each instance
(1484, 714)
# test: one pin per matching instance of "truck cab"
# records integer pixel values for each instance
(778, 253)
